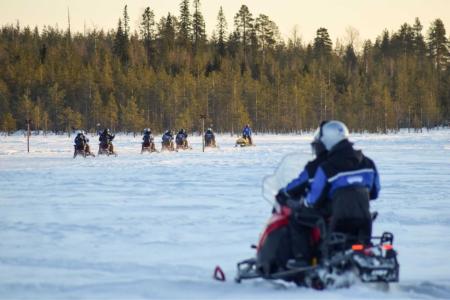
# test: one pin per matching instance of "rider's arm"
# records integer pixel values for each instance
(318, 188)
(297, 187)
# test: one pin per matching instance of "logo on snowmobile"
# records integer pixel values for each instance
(354, 179)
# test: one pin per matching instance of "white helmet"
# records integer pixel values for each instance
(332, 132)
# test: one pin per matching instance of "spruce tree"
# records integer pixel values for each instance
(126, 22)
(243, 23)
(147, 30)
(221, 28)
(198, 27)
(322, 43)
(185, 25)
(438, 45)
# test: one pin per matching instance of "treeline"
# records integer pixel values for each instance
(170, 72)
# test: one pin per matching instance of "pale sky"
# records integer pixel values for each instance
(369, 17)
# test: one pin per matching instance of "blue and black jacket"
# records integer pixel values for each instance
(80, 141)
(147, 138)
(209, 135)
(348, 180)
(181, 137)
(299, 187)
(167, 137)
(106, 138)
(247, 131)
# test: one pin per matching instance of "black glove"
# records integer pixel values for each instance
(282, 197)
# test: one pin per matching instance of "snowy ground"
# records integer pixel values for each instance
(155, 225)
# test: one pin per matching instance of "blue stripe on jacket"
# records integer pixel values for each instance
(365, 177)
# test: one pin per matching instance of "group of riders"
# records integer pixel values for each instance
(105, 147)
(181, 140)
(169, 142)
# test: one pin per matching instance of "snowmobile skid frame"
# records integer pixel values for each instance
(82, 152)
(377, 263)
(183, 147)
(102, 150)
(170, 146)
(149, 148)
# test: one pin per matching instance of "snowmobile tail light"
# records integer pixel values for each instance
(388, 247)
(357, 247)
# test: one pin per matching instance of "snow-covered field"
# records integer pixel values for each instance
(154, 226)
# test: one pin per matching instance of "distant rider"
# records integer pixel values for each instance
(210, 138)
(347, 180)
(106, 140)
(167, 137)
(147, 138)
(82, 142)
(181, 138)
(247, 133)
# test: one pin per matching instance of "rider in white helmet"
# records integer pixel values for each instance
(82, 142)
(346, 181)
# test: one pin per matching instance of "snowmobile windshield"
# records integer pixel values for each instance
(289, 168)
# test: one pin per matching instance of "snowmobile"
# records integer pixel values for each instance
(243, 142)
(105, 149)
(210, 140)
(148, 147)
(81, 146)
(167, 146)
(337, 263)
(182, 143)
(337, 260)
(210, 143)
(82, 150)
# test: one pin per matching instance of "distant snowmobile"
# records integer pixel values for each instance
(106, 146)
(148, 142)
(82, 151)
(105, 149)
(81, 146)
(210, 139)
(337, 259)
(181, 140)
(243, 142)
(148, 147)
(167, 142)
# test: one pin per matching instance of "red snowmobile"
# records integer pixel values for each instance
(337, 259)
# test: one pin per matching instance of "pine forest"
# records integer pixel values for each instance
(168, 72)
